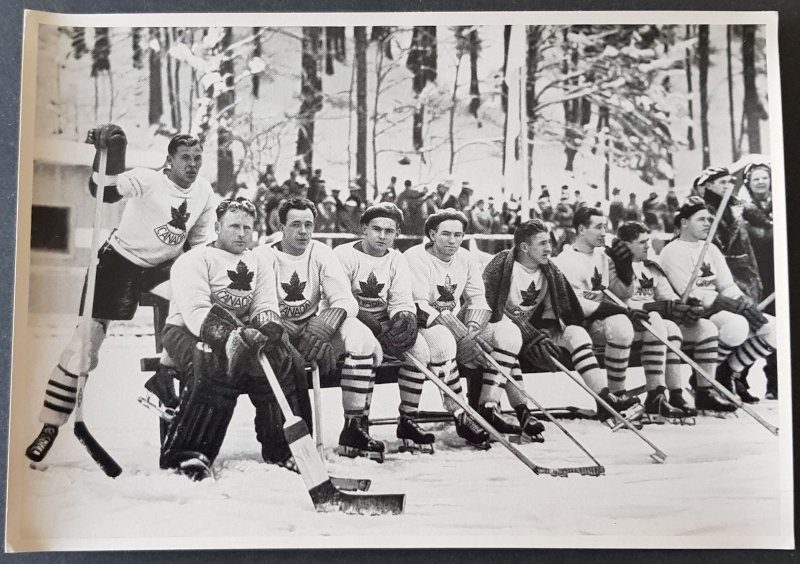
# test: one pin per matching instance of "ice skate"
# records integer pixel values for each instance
(413, 438)
(196, 468)
(167, 414)
(628, 407)
(531, 428)
(492, 414)
(657, 410)
(676, 399)
(743, 389)
(162, 385)
(470, 431)
(42, 444)
(708, 402)
(354, 441)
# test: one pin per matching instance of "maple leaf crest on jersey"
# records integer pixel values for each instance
(174, 231)
(239, 293)
(241, 278)
(646, 285)
(530, 295)
(446, 299)
(597, 281)
(705, 270)
(295, 303)
(370, 295)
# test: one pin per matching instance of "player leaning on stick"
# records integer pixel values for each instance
(380, 282)
(323, 330)
(524, 285)
(223, 311)
(164, 211)
(591, 267)
(681, 323)
(745, 334)
(443, 274)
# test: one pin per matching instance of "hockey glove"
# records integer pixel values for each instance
(112, 138)
(315, 340)
(471, 346)
(241, 350)
(371, 322)
(401, 334)
(743, 306)
(637, 316)
(695, 312)
(540, 351)
(622, 257)
(682, 314)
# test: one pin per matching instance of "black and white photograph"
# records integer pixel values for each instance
(408, 280)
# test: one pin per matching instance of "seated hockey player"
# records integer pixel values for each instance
(679, 323)
(320, 315)
(165, 211)
(591, 267)
(745, 333)
(223, 311)
(379, 280)
(524, 285)
(443, 275)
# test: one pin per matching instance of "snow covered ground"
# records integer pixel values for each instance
(725, 483)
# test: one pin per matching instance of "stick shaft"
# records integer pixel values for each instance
(709, 239)
(317, 409)
(766, 301)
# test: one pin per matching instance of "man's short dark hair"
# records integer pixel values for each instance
(384, 209)
(434, 220)
(182, 140)
(295, 204)
(583, 216)
(631, 231)
(236, 204)
(528, 229)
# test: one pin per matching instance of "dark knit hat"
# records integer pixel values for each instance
(692, 205)
(710, 174)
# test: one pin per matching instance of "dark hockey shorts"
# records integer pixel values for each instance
(120, 283)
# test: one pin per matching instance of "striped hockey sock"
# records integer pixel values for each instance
(723, 352)
(672, 376)
(493, 382)
(409, 382)
(705, 354)
(448, 372)
(751, 350)
(357, 377)
(59, 399)
(585, 363)
(653, 362)
(617, 365)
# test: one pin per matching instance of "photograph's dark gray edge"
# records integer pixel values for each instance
(11, 25)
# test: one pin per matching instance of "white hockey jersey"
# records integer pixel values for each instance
(678, 259)
(649, 285)
(160, 216)
(244, 284)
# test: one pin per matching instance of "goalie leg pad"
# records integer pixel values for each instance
(204, 413)
(441, 343)
(71, 359)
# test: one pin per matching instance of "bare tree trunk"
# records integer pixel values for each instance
(255, 80)
(350, 122)
(534, 37)
(703, 54)
(504, 91)
(753, 111)
(378, 86)
(474, 83)
(690, 133)
(450, 130)
(311, 91)
(177, 36)
(156, 106)
(226, 181)
(170, 84)
(734, 148)
(360, 33)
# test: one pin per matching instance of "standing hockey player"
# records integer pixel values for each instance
(320, 314)
(224, 310)
(443, 274)
(165, 211)
(682, 324)
(591, 267)
(745, 334)
(524, 285)
(379, 280)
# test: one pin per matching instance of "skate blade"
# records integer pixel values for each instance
(524, 439)
(653, 419)
(415, 448)
(165, 413)
(480, 446)
(688, 421)
(351, 452)
(718, 414)
(632, 415)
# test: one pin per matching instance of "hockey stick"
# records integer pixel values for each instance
(709, 239)
(558, 472)
(97, 452)
(597, 469)
(719, 387)
(324, 495)
(766, 301)
(317, 409)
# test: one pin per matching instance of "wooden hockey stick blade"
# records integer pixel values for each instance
(351, 484)
(324, 495)
(97, 452)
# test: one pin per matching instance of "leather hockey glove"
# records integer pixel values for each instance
(622, 257)
(315, 340)
(112, 138)
(371, 322)
(541, 350)
(743, 306)
(637, 316)
(241, 350)
(471, 346)
(680, 313)
(401, 334)
(695, 312)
